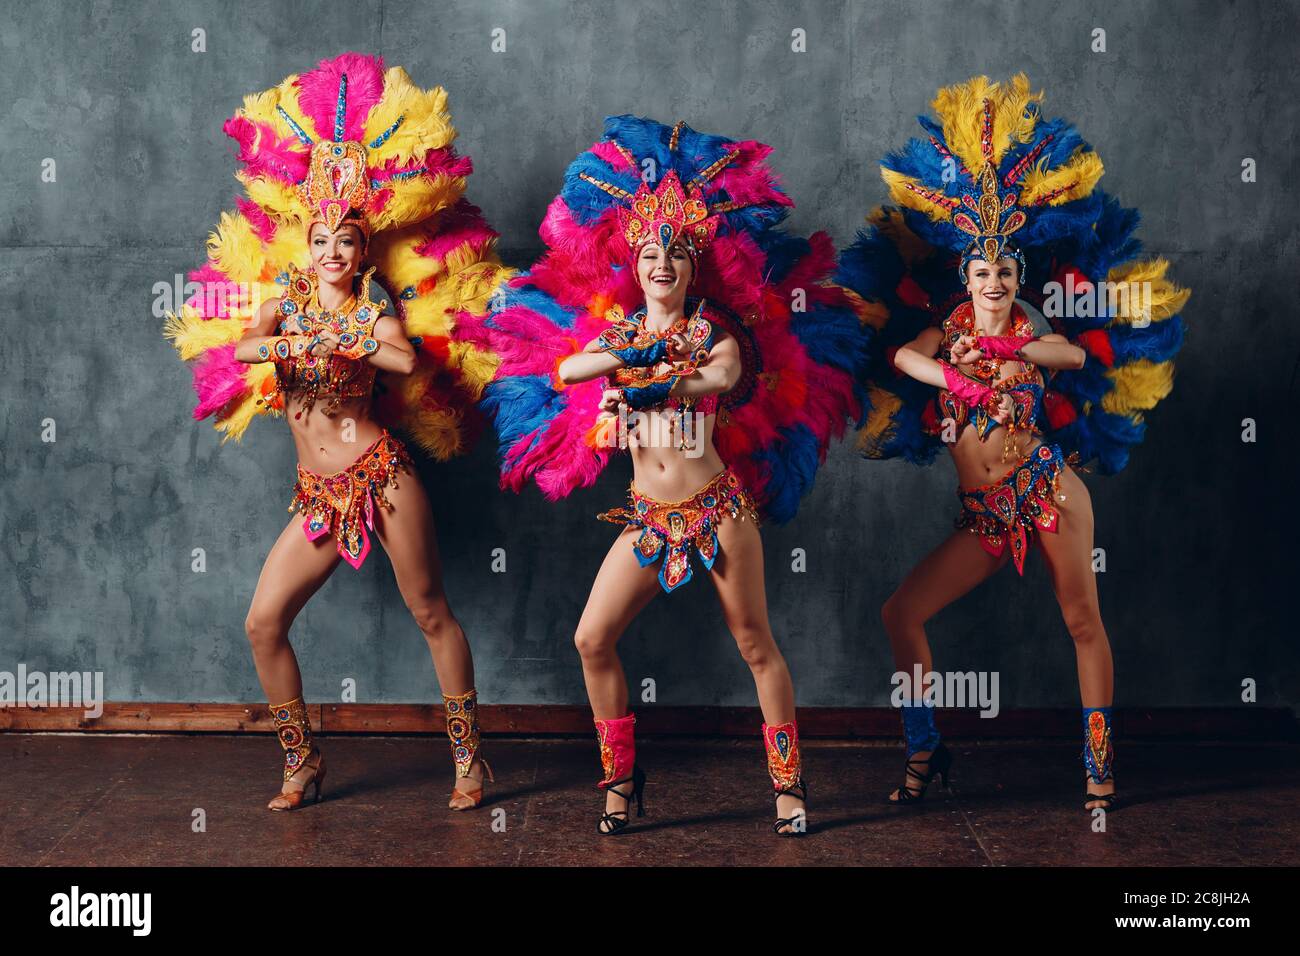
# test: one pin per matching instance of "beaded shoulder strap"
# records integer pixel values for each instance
(371, 308)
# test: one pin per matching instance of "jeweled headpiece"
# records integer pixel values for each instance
(669, 215)
(998, 219)
(336, 183)
(670, 212)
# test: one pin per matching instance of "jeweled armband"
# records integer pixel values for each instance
(649, 395)
(357, 346)
(283, 348)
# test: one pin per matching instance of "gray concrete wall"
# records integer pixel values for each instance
(98, 527)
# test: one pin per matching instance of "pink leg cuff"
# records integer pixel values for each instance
(617, 741)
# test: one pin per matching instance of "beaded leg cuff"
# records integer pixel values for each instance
(617, 739)
(462, 727)
(784, 763)
(1097, 751)
(294, 730)
(918, 727)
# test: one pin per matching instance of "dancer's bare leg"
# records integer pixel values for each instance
(621, 590)
(951, 570)
(407, 533)
(739, 580)
(294, 570)
(1068, 554)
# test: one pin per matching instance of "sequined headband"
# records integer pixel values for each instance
(1008, 249)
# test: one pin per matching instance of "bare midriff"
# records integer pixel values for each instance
(328, 442)
(660, 468)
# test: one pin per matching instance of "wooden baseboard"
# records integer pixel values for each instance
(1242, 723)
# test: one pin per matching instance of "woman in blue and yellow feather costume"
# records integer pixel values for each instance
(996, 202)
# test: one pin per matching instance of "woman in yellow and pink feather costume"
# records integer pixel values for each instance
(352, 188)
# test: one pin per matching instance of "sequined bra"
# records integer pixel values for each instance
(701, 335)
(343, 374)
(1025, 388)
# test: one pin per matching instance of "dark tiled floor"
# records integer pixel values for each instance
(126, 800)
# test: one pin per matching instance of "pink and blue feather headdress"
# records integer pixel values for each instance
(801, 341)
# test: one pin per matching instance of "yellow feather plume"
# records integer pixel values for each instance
(960, 108)
(193, 335)
(235, 249)
(261, 107)
(1077, 176)
(899, 193)
(417, 198)
(1139, 386)
(1161, 297)
(278, 200)
(478, 367)
(426, 124)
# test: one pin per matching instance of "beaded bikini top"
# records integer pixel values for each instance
(343, 374)
(1025, 388)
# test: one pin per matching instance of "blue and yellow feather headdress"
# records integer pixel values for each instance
(992, 177)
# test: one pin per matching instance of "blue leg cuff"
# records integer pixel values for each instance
(919, 728)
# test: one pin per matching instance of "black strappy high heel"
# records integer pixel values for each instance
(612, 822)
(1111, 800)
(939, 763)
(799, 790)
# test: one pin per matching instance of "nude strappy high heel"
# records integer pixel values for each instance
(461, 711)
(470, 799)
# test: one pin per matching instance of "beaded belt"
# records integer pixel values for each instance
(674, 528)
(1008, 510)
(343, 504)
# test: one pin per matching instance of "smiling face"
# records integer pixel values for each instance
(335, 255)
(664, 276)
(993, 287)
